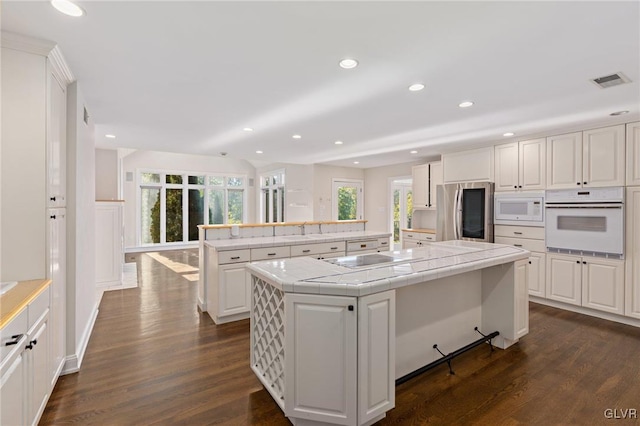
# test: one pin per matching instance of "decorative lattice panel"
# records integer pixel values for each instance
(268, 335)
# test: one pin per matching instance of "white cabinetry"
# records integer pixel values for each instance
(425, 179)
(468, 166)
(334, 345)
(413, 239)
(632, 276)
(532, 239)
(521, 302)
(56, 139)
(520, 165)
(13, 382)
(56, 262)
(586, 281)
(633, 154)
(235, 294)
(109, 244)
(593, 158)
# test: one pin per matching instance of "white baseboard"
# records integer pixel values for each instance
(74, 361)
(586, 311)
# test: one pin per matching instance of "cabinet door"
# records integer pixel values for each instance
(39, 368)
(376, 355)
(13, 393)
(632, 275)
(537, 274)
(109, 253)
(506, 164)
(235, 291)
(633, 154)
(56, 140)
(564, 161)
(532, 160)
(521, 297)
(321, 352)
(435, 179)
(57, 273)
(420, 185)
(564, 278)
(468, 166)
(603, 285)
(603, 157)
(407, 244)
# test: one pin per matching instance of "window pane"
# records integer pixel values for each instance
(266, 180)
(409, 208)
(150, 215)
(235, 205)
(196, 180)
(216, 206)
(196, 212)
(396, 215)
(235, 181)
(265, 201)
(347, 203)
(174, 179)
(215, 180)
(150, 177)
(276, 193)
(174, 215)
(281, 218)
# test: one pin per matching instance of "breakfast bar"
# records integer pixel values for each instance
(330, 337)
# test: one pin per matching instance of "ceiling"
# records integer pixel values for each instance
(189, 76)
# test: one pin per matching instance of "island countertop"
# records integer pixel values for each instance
(404, 268)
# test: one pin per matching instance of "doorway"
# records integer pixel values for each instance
(401, 208)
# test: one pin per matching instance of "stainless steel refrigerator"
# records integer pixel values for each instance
(465, 211)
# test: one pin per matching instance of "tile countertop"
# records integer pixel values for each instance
(293, 240)
(438, 260)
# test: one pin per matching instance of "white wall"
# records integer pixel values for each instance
(178, 162)
(81, 283)
(322, 187)
(299, 187)
(106, 174)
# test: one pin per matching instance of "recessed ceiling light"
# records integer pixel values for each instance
(619, 113)
(356, 162)
(296, 136)
(413, 152)
(258, 152)
(416, 87)
(508, 134)
(338, 142)
(348, 63)
(465, 104)
(110, 136)
(67, 7)
(248, 129)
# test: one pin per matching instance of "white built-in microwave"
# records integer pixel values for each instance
(519, 208)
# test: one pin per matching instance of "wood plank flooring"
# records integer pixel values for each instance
(154, 358)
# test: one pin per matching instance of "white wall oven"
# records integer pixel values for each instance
(519, 208)
(586, 222)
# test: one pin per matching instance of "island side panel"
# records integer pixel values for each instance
(443, 312)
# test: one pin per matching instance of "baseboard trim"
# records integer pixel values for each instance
(586, 311)
(73, 362)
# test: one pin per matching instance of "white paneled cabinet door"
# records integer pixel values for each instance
(633, 153)
(537, 274)
(13, 393)
(564, 161)
(435, 179)
(235, 291)
(603, 153)
(57, 246)
(109, 250)
(564, 278)
(506, 173)
(321, 351)
(420, 185)
(632, 276)
(376, 355)
(522, 297)
(56, 140)
(532, 160)
(39, 366)
(603, 285)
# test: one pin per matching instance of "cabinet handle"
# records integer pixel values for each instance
(306, 251)
(578, 183)
(584, 263)
(16, 338)
(529, 262)
(577, 261)
(271, 254)
(235, 258)
(519, 186)
(34, 342)
(350, 307)
(53, 216)
(584, 183)
(52, 198)
(517, 233)
(515, 186)
(518, 245)
(334, 248)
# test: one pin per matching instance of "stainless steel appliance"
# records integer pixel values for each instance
(465, 211)
(585, 221)
(519, 208)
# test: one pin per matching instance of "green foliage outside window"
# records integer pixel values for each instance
(347, 203)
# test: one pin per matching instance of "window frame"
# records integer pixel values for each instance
(280, 203)
(340, 182)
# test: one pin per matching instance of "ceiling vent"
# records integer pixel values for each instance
(611, 80)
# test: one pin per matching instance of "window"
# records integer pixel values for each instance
(402, 203)
(172, 205)
(347, 199)
(272, 197)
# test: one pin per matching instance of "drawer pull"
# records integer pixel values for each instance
(16, 338)
(518, 245)
(363, 246)
(235, 258)
(517, 233)
(306, 251)
(271, 254)
(334, 248)
(384, 243)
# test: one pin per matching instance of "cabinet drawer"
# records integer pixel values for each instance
(353, 246)
(311, 249)
(418, 236)
(383, 244)
(533, 232)
(531, 245)
(18, 325)
(270, 253)
(234, 256)
(38, 307)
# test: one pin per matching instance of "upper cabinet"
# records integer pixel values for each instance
(56, 139)
(425, 179)
(633, 154)
(520, 166)
(475, 165)
(591, 158)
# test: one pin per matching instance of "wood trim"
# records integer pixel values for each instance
(16, 299)
(26, 44)
(258, 225)
(423, 230)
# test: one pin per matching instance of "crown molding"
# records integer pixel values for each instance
(26, 44)
(60, 66)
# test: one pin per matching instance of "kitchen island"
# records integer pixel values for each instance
(330, 337)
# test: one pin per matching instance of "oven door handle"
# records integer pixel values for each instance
(585, 206)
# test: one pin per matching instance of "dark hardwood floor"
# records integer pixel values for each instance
(154, 359)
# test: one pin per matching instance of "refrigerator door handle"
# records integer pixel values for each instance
(456, 214)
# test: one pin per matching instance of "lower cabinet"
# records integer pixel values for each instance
(235, 289)
(537, 274)
(521, 281)
(341, 357)
(412, 239)
(586, 281)
(632, 276)
(13, 382)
